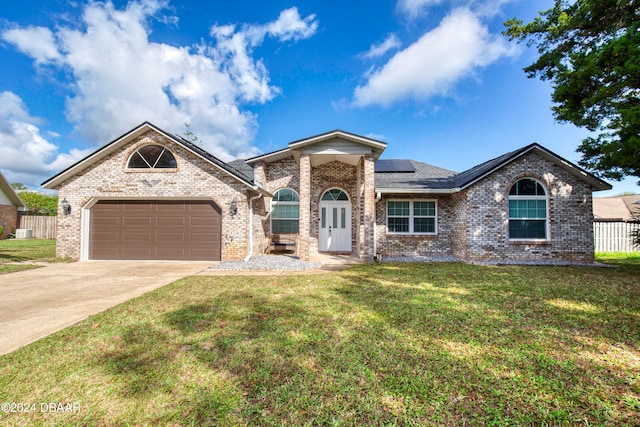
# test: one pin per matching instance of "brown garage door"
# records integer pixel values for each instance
(160, 230)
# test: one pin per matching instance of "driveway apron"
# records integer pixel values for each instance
(35, 303)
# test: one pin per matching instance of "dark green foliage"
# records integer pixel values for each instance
(40, 204)
(589, 50)
(18, 186)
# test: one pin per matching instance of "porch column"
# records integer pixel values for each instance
(369, 207)
(305, 207)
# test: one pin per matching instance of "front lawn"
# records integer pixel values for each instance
(13, 252)
(394, 344)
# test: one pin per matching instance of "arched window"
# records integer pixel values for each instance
(152, 157)
(335, 194)
(528, 210)
(285, 211)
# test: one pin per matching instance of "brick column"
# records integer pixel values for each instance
(369, 207)
(259, 174)
(305, 207)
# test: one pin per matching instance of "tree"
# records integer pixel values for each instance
(40, 204)
(590, 51)
(18, 186)
(190, 136)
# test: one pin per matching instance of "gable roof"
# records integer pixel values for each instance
(8, 191)
(431, 179)
(294, 147)
(617, 208)
(476, 173)
(426, 176)
(117, 143)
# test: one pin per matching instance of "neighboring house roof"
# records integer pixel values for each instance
(618, 208)
(10, 194)
(114, 145)
(633, 203)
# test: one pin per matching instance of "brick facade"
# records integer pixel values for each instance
(472, 224)
(570, 215)
(8, 220)
(194, 179)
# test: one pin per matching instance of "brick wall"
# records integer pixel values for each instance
(570, 215)
(389, 244)
(324, 177)
(8, 220)
(194, 178)
(289, 174)
(473, 224)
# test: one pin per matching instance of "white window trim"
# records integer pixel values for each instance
(411, 217)
(150, 168)
(271, 218)
(546, 219)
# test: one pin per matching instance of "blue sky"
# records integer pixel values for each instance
(435, 79)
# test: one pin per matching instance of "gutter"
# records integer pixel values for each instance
(375, 227)
(417, 191)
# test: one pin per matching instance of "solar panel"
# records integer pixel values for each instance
(394, 166)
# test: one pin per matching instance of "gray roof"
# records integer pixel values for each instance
(242, 167)
(428, 178)
(425, 176)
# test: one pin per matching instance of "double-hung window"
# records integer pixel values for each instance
(527, 210)
(285, 211)
(411, 217)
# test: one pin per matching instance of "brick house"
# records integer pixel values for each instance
(10, 205)
(150, 194)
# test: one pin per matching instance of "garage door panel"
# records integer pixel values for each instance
(171, 237)
(162, 230)
(137, 237)
(135, 221)
(170, 253)
(107, 220)
(171, 221)
(136, 253)
(137, 206)
(106, 236)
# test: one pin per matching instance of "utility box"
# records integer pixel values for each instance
(24, 233)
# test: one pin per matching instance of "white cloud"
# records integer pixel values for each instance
(377, 50)
(27, 156)
(414, 8)
(119, 78)
(431, 66)
(37, 42)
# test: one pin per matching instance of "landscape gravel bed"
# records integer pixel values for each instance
(267, 263)
(450, 258)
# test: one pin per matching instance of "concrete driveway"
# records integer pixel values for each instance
(38, 302)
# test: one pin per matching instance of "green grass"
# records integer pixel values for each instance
(19, 251)
(623, 259)
(397, 344)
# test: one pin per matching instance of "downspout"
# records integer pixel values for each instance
(250, 202)
(375, 227)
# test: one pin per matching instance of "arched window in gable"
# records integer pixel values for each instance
(152, 157)
(528, 202)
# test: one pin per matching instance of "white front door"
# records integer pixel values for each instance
(335, 226)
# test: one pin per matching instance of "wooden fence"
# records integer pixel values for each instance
(44, 227)
(614, 236)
